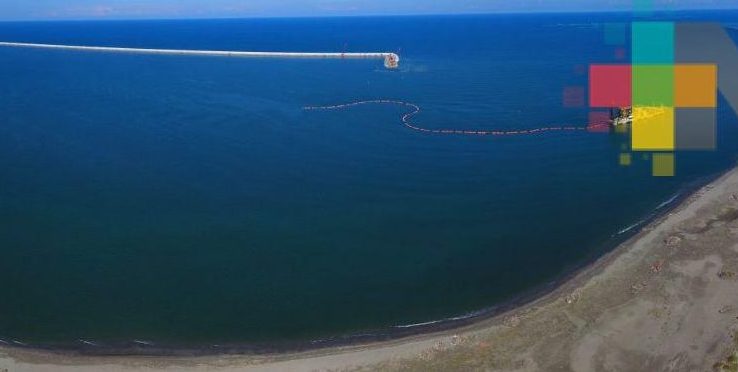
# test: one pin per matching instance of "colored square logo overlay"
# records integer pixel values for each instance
(667, 105)
(663, 165)
(652, 129)
(652, 42)
(653, 85)
(695, 86)
(610, 85)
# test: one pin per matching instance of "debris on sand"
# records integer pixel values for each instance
(456, 340)
(512, 321)
(672, 241)
(726, 309)
(657, 266)
(726, 274)
(636, 288)
(573, 297)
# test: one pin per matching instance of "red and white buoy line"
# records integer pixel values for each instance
(415, 109)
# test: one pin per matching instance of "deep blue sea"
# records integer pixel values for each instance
(191, 201)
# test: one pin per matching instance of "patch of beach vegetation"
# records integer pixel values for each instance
(730, 363)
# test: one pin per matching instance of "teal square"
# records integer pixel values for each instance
(653, 42)
(653, 85)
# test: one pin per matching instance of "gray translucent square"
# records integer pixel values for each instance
(695, 129)
(710, 43)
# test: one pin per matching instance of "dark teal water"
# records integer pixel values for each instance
(191, 201)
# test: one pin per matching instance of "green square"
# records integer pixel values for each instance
(653, 85)
(653, 42)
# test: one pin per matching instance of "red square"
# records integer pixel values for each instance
(610, 85)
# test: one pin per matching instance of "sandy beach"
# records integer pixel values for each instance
(665, 300)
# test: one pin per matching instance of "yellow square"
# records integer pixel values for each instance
(663, 165)
(652, 129)
(625, 159)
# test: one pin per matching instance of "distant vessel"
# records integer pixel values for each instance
(621, 116)
(624, 115)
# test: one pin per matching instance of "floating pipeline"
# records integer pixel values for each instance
(415, 109)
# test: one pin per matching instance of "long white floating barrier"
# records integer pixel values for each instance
(391, 60)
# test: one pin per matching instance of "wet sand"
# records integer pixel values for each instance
(667, 299)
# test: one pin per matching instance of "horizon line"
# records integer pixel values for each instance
(369, 15)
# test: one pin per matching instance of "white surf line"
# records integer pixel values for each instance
(391, 60)
(419, 324)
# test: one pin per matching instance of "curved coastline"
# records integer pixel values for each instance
(601, 292)
(392, 334)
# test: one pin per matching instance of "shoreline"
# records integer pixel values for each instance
(133, 348)
(507, 315)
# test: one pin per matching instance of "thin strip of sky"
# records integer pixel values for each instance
(147, 9)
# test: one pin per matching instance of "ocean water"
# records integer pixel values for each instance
(191, 201)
